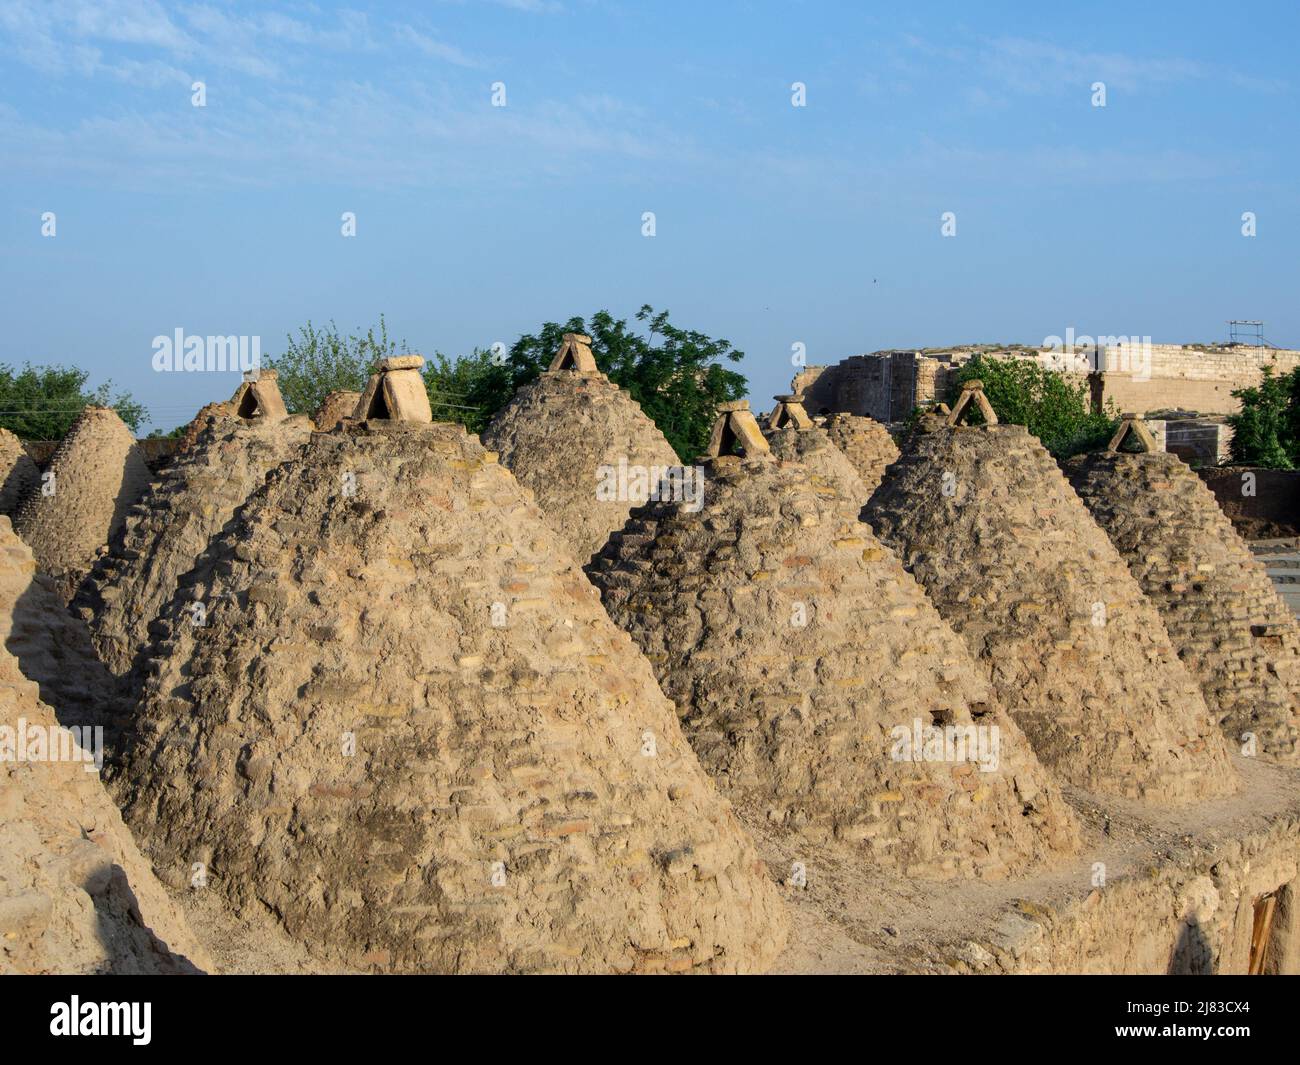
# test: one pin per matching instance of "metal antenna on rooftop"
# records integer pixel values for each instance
(1247, 332)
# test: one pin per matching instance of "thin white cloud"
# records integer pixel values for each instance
(437, 49)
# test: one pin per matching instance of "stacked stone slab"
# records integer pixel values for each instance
(76, 896)
(333, 409)
(166, 532)
(98, 473)
(1225, 619)
(395, 391)
(557, 433)
(798, 440)
(985, 520)
(409, 730)
(799, 654)
(866, 443)
(19, 475)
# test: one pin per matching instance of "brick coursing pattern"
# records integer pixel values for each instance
(370, 613)
(795, 721)
(1222, 612)
(553, 436)
(986, 521)
(98, 474)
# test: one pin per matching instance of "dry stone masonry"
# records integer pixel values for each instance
(985, 520)
(94, 477)
(409, 730)
(76, 896)
(804, 661)
(865, 443)
(167, 531)
(798, 440)
(1225, 619)
(557, 433)
(334, 408)
(19, 475)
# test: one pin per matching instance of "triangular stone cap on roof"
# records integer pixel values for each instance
(575, 354)
(1133, 426)
(396, 393)
(972, 392)
(259, 397)
(789, 410)
(736, 426)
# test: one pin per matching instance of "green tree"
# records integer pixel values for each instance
(1266, 431)
(42, 402)
(676, 375)
(1054, 406)
(470, 389)
(320, 361)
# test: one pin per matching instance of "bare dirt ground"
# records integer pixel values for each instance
(851, 919)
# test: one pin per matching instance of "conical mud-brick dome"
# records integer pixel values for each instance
(76, 896)
(1227, 623)
(167, 532)
(582, 445)
(198, 423)
(985, 520)
(334, 408)
(408, 729)
(810, 673)
(19, 475)
(98, 472)
(865, 443)
(792, 437)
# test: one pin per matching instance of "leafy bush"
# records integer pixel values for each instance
(1054, 406)
(469, 390)
(42, 402)
(1266, 431)
(318, 362)
(675, 374)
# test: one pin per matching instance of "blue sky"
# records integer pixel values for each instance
(775, 224)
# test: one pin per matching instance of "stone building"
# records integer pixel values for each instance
(166, 532)
(792, 437)
(887, 385)
(19, 475)
(986, 522)
(409, 731)
(1225, 619)
(865, 443)
(810, 672)
(95, 476)
(76, 896)
(563, 436)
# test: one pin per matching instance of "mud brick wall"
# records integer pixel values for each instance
(1226, 621)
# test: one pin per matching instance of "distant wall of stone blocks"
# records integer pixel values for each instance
(887, 385)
